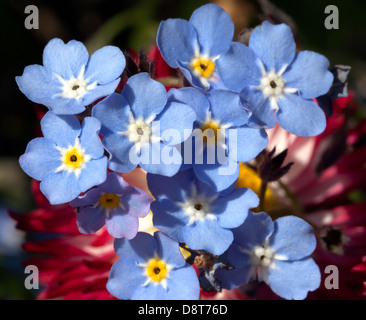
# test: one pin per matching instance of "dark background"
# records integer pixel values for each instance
(131, 25)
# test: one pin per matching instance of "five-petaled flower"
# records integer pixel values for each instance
(277, 82)
(68, 160)
(276, 252)
(69, 80)
(115, 204)
(152, 268)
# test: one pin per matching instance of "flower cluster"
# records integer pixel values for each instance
(191, 141)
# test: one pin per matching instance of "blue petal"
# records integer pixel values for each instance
(40, 158)
(61, 129)
(274, 45)
(263, 114)
(159, 158)
(65, 59)
(200, 235)
(140, 249)
(115, 184)
(120, 224)
(105, 65)
(192, 97)
(89, 138)
(173, 187)
(238, 67)
(294, 279)
(89, 220)
(89, 198)
(60, 187)
(113, 113)
(309, 73)
(256, 228)
(245, 143)
(293, 238)
(292, 108)
(221, 102)
(219, 177)
(232, 210)
(125, 277)
(214, 28)
(98, 92)
(152, 291)
(119, 147)
(169, 218)
(38, 85)
(136, 202)
(183, 284)
(145, 96)
(176, 122)
(169, 251)
(176, 40)
(93, 174)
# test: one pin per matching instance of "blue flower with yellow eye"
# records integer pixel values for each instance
(196, 46)
(115, 204)
(152, 268)
(69, 80)
(68, 160)
(278, 83)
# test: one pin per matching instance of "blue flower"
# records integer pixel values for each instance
(115, 204)
(68, 160)
(141, 128)
(69, 80)
(152, 268)
(196, 46)
(277, 253)
(278, 83)
(221, 137)
(191, 212)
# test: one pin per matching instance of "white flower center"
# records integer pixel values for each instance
(140, 132)
(75, 88)
(73, 158)
(273, 86)
(198, 206)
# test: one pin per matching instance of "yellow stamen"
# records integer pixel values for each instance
(73, 158)
(109, 200)
(157, 270)
(203, 67)
(214, 125)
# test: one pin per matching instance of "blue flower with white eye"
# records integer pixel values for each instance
(221, 137)
(68, 160)
(191, 212)
(140, 127)
(277, 82)
(152, 268)
(69, 80)
(276, 252)
(196, 46)
(113, 203)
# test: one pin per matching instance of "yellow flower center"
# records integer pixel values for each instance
(203, 67)
(74, 158)
(157, 270)
(214, 126)
(248, 178)
(109, 200)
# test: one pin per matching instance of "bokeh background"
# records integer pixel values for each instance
(132, 24)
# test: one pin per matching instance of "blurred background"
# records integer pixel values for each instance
(132, 24)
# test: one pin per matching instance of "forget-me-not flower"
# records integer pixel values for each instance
(141, 128)
(196, 46)
(69, 80)
(152, 268)
(277, 82)
(276, 252)
(221, 137)
(68, 160)
(191, 212)
(113, 203)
